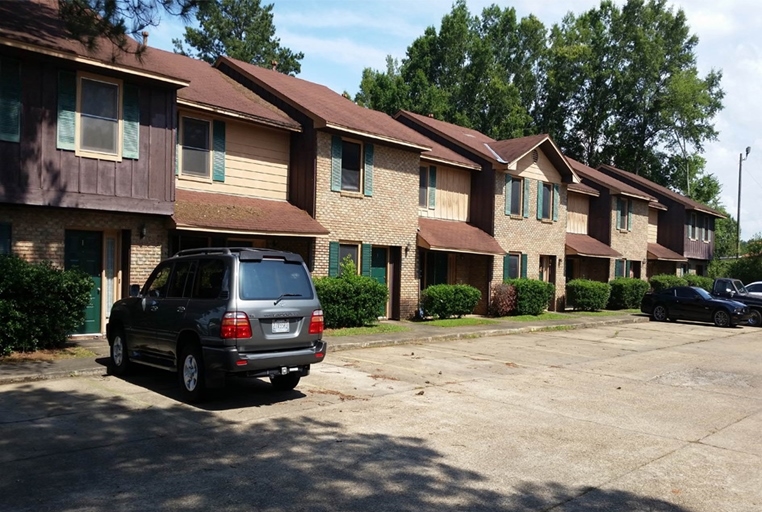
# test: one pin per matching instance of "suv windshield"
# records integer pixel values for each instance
(274, 279)
(740, 288)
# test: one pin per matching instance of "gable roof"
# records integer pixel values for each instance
(510, 151)
(211, 89)
(650, 186)
(581, 188)
(467, 138)
(35, 26)
(328, 109)
(615, 186)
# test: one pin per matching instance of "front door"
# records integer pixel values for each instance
(378, 270)
(83, 250)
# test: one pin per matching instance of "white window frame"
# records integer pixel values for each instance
(210, 164)
(549, 193)
(520, 202)
(358, 254)
(88, 153)
(693, 226)
(706, 236)
(361, 179)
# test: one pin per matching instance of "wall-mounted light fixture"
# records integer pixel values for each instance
(142, 231)
(407, 248)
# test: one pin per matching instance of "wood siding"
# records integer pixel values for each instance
(600, 213)
(578, 211)
(35, 172)
(542, 169)
(452, 195)
(697, 248)
(653, 226)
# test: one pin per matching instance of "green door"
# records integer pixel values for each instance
(83, 250)
(378, 266)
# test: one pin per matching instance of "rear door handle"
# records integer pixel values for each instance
(181, 309)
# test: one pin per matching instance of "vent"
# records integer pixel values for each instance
(535, 156)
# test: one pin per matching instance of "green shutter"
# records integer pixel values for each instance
(67, 106)
(218, 138)
(432, 187)
(5, 238)
(618, 268)
(336, 164)
(178, 149)
(524, 266)
(368, 182)
(629, 215)
(556, 201)
(10, 100)
(506, 266)
(508, 186)
(526, 198)
(627, 268)
(618, 213)
(539, 200)
(333, 259)
(365, 259)
(131, 131)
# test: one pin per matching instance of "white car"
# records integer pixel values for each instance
(754, 288)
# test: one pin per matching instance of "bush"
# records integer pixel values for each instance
(503, 301)
(587, 295)
(532, 295)
(446, 300)
(700, 281)
(350, 300)
(662, 281)
(39, 304)
(626, 293)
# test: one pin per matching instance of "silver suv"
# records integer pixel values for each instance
(209, 313)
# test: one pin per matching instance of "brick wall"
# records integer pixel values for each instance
(473, 269)
(633, 243)
(656, 267)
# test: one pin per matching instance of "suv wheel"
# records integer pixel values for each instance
(120, 361)
(191, 373)
(285, 382)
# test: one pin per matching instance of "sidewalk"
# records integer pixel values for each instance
(418, 332)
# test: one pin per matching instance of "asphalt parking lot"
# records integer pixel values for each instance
(648, 416)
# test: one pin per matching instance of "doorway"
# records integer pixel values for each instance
(83, 250)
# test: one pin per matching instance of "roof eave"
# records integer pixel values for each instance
(239, 115)
(375, 136)
(463, 165)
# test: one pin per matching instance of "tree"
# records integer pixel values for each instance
(90, 20)
(241, 29)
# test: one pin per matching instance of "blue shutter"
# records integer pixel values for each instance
(539, 200)
(333, 259)
(524, 266)
(336, 164)
(526, 198)
(218, 137)
(508, 186)
(432, 187)
(366, 259)
(556, 201)
(629, 215)
(618, 213)
(10, 100)
(618, 268)
(368, 183)
(67, 106)
(131, 130)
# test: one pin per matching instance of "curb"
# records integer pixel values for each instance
(54, 375)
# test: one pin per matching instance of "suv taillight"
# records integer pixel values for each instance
(235, 324)
(316, 322)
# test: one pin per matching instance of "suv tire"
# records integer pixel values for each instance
(190, 372)
(285, 382)
(120, 360)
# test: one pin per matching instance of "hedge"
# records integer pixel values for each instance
(702, 282)
(446, 300)
(503, 301)
(587, 295)
(626, 293)
(350, 300)
(662, 281)
(532, 295)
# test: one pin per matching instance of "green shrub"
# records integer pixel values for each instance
(532, 295)
(503, 302)
(350, 300)
(626, 293)
(446, 300)
(39, 304)
(719, 268)
(662, 281)
(587, 295)
(700, 281)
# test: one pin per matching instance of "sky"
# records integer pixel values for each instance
(339, 38)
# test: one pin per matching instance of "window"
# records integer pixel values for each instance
(423, 186)
(515, 187)
(350, 166)
(182, 280)
(623, 214)
(272, 279)
(684, 292)
(211, 280)
(99, 116)
(692, 227)
(5, 238)
(547, 201)
(350, 250)
(196, 147)
(10, 100)
(514, 266)
(157, 284)
(706, 229)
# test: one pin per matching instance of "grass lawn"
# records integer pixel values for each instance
(604, 313)
(373, 329)
(530, 318)
(458, 322)
(53, 354)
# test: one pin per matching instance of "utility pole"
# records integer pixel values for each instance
(741, 158)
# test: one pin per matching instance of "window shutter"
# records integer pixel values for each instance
(629, 215)
(627, 268)
(432, 187)
(336, 163)
(178, 148)
(618, 268)
(333, 259)
(508, 185)
(506, 266)
(556, 201)
(10, 100)
(67, 106)
(524, 266)
(618, 213)
(526, 198)
(539, 200)
(5, 238)
(368, 182)
(218, 141)
(131, 130)
(366, 258)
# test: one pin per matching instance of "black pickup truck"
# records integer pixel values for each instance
(728, 288)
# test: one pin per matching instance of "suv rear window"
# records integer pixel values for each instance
(274, 279)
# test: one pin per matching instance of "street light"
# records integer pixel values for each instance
(741, 158)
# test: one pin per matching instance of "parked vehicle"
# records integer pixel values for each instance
(210, 313)
(754, 288)
(734, 289)
(693, 303)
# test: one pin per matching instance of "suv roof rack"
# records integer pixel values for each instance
(227, 250)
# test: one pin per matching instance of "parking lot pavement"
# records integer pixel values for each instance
(633, 417)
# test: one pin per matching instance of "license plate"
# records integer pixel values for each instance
(280, 326)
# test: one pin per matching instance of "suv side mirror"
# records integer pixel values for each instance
(134, 290)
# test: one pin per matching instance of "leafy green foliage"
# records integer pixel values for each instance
(350, 300)
(503, 301)
(532, 295)
(587, 295)
(446, 300)
(662, 281)
(39, 304)
(241, 29)
(700, 281)
(626, 292)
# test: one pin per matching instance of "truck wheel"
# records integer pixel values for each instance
(755, 318)
(120, 361)
(721, 318)
(285, 382)
(190, 372)
(659, 313)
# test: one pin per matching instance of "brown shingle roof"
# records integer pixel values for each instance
(583, 189)
(464, 137)
(655, 188)
(440, 153)
(220, 212)
(455, 236)
(584, 245)
(614, 185)
(34, 25)
(326, 108)
(659, 252)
